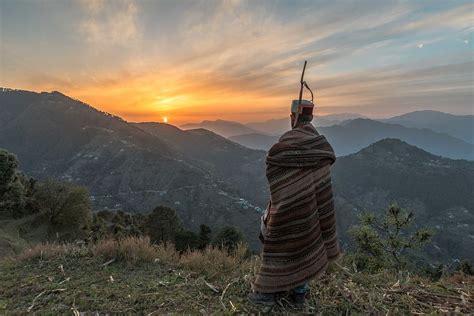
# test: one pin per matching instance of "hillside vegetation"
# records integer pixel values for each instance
(134, 276)
(59, 256)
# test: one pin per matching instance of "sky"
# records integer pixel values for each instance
(192, 60)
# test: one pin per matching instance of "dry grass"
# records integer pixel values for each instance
(50, 250)
(130, 249)
(210, 281)
(211, 260)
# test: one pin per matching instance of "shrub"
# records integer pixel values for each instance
(66, 207)
(228, 238)
(186, 240)
(12, 190)
(385, 241)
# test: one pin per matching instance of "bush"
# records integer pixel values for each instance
(385, 242)
(186, 240)
(66, 207)
(228, 238)
(12, 190)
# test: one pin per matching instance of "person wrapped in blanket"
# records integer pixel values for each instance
(298, 229)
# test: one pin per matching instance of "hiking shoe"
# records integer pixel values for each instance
(298, 299)
(266, 299)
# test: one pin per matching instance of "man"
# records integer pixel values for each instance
(299, 225)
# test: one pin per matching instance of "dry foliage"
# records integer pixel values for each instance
(50, 250)
(132, 250)
(209, 281)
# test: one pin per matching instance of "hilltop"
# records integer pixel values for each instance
(135, 277)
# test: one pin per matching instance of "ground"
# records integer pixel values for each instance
(76, 279)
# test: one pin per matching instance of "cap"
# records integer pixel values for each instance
(305, 108)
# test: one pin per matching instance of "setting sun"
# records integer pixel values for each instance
(165, 119)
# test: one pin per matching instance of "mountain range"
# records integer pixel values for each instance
(126, 167)
(352, 135)
(438, 190)
(279, 126)
(270, 127)
(459, 126)
(221, 127)
(212, 180)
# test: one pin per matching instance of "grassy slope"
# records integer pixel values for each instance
(76, 279)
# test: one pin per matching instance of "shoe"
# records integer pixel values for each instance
(266, 299)
(297, 299)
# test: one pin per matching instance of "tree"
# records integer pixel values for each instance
(228, 238)
(186, 240)
(465, 267)
(204, 236)
(12, 190)
(66, 207)
(162, 224)
(385, 241)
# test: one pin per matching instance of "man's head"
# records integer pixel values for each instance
(301, 113)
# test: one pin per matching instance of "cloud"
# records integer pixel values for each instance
(229, 59)
(109, 22)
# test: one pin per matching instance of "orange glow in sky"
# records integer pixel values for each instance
(189, 61)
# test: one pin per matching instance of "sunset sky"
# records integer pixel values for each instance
(241, 60)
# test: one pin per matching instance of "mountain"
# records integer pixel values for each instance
(359, 133)
(237, 164)
(255, 140)
(439, 190)
(221, 127)
(209, 179)
(459, 126)
(353, 135)
(126, 167)
(279, 126)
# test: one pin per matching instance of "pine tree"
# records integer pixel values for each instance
(162, 224)
(385, 241)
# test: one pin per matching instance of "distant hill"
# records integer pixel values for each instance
(353, 135)
(255, 140)
(359, 133)
(128, 168)
(221, 127)
(276, 127)
(459, 126)
(229, 160)
(439, 190)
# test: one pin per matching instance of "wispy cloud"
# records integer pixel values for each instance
(109, 21)
(192, 60)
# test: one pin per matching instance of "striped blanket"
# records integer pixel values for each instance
(299, 229)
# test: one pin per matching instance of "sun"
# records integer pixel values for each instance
(165, 119)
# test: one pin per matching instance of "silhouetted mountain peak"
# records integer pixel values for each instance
(395, 153)
(363, 122)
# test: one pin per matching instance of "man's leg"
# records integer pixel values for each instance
(298, 294)
(266, 299)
